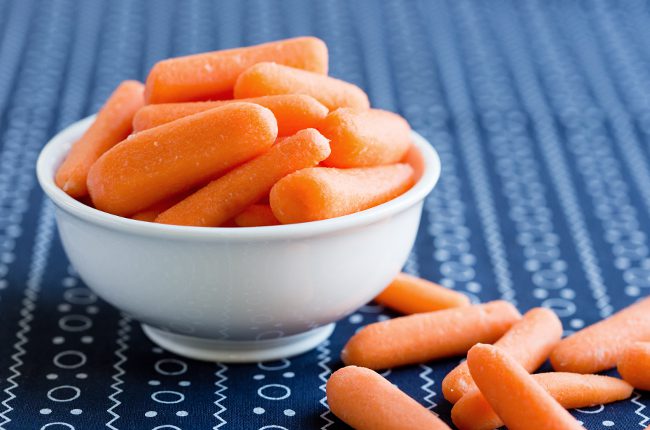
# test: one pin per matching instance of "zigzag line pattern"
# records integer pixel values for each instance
(40, 254)
(323, 359)
(221, 374)
(641, 406)
(122, 342)
(426, 387)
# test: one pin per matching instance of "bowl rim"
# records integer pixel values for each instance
(53, 152)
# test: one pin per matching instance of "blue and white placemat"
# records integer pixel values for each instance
(540, 111)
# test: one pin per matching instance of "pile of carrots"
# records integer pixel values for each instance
(495, 385)
(261, 136)
(245, 137)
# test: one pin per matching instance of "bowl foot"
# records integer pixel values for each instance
(233, 351)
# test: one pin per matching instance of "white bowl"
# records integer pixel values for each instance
(237, 294)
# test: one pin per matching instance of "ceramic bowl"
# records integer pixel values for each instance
(238, 294)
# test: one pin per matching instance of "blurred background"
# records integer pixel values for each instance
(540, 111)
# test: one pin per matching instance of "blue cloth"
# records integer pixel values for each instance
(540, 112)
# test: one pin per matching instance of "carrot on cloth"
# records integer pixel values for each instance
(365, 137)
(571, 390)
(529, 341)
(599, 346)
(164, 161)
(634, 365)
(111, 126)
(210, 75)
(412, 295)
(420, 338)
(367, 401)
(293, 112)
(257, 215)
(513, 393)
(265, 79)
(227, 196)
(322, 192)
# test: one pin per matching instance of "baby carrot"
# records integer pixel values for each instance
(164, 161)
(571, 390)
(257, 215)
(321, 192)
(112, 125)
(264, 79)
(227, 196)
(514, 394)
(529, 341)
(423, 337)
(149, 214)
(411, 295)
(598, 347)
(365, 137)
(634, 365)
(367, 401)
(294, 112)
(210, 75)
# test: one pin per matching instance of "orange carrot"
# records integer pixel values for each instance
(634, 365)
(257, 215)
(365, 137)
(598, 347)
(420, 338)
(411, 295)
(571, 390)
(209, 75)
(153, 211)
(112, 125)
(321, 192)
(514, 394)
(164, 161)
(528, 341)
(293, 112)
(265, 79)
(227, 196)
(367, 401)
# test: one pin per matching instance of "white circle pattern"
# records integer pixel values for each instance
(179, 396)
(60, 426)
(76, 392)
(286, 392)
(162, 366)
(80, 357)
(75, 323)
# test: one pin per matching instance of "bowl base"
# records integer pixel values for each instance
(233, 351)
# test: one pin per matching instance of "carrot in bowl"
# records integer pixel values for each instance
(293, 112)
(367, 401)
(230, 194)
(112, 125)
(210, 75)
(365, 137)
(529, 341)
(571, 390)
(257, 215)
(411, 295)
(599, 346)
(321, 192)
(634, 365)
(149, 214)
(265, 79)
(164, 161)
(420, 338)
(514, 394)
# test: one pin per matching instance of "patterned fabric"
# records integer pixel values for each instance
(540, 112)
